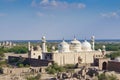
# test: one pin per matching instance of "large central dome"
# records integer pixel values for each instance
(75, 45)
(63, 47)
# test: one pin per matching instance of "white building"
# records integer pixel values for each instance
(7, 44)
(68, 53)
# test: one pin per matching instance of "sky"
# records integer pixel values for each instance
(58, 19)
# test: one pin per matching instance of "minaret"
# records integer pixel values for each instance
(103, 47)
(75, 37)
(93, 42)
(44, 44)
(29, 46)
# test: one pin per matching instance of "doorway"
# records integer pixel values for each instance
(104, 66)
(39, 57)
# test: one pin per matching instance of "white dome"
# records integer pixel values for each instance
(75, 45)
(43, 37)
(75, 41)
(117, 59)
(86, 46)
(63, 47)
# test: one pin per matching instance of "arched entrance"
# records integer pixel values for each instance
(39, 57)
(104, 66)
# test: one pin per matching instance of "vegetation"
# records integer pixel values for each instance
(69, 66)
(20, 65)
(3, 63)
(15, 49)
(18, 49)
(1, 53)
(109, 46)
(37, 77)
(19, 62)
(52, 69)
(107, 77)
(113, 55)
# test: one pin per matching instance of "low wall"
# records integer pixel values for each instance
(30, 61)
(114, 66)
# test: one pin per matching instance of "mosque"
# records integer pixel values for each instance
(74, 52)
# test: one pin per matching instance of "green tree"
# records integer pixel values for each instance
(113, 55)
(18, 49)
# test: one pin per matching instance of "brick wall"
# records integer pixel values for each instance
(30, 61)
(114, 66)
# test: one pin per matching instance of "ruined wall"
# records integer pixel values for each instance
(114, 66)
(30, 61)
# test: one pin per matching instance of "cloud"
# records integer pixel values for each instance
(3, 14)
(111, 15)
(81, 5)
(40, 14)
(56, 4)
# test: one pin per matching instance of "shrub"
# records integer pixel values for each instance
(69, 66)
(107, 77)
(37, 77)
(27, 65)
(52, 69)
(20, 65)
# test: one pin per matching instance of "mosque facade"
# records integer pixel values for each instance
(68, 53)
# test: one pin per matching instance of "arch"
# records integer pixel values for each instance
(104, 66)
(39, 57)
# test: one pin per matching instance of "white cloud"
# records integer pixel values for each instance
(54, 3)
(111, 15)
(40, 14)
(2, 14)
(57, 4)
(44, 2)
(81, 5)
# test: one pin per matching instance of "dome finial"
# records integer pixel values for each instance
(63, 39)
(74, 37)
(85, 39)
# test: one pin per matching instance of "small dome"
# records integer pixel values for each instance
(37, 48)
(103, 46)
(93, 37)
(63, 47)
(43, 37)
(117, 59)
(86, 46)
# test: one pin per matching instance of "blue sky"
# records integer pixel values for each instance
(30, 19)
